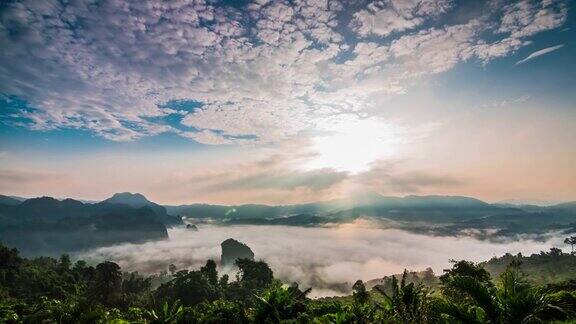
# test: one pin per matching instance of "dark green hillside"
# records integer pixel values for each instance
(543, 268)
(47, 226)
(103, 228)
(9, 201)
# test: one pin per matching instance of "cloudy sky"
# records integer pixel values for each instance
(288, 101)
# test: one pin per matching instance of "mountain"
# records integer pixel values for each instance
(303, 220)
(131, 199)
(137, 200)
(10, 201)
(49, 226)
(429, 208)
(437, 215)
(568, 207)
(532, 202)
(65, 235)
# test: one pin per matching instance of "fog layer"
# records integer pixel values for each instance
(322, 258)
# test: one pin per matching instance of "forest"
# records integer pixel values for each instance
(50, 290)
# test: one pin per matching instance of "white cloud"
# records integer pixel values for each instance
(540, 53)
(526, 18)
(384, 17)
(263, 73)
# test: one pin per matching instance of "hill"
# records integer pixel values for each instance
(10, 201)
(49, 226)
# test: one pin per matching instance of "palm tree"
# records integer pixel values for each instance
(280, 302)
(513, 300)
(572, 241)
(408, 303)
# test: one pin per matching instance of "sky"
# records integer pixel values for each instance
(282, 102)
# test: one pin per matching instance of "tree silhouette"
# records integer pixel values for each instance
(107, 282)
(209, 270)
(572, 241)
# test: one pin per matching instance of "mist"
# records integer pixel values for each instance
(328, 259)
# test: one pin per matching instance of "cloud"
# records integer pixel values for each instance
(282, 179)
(327, 259)
(540, 53)
(273, 179)
(526, 18)
(263, 72)
(390, 177)
(384, 17)
(23, 180)
(507, 102)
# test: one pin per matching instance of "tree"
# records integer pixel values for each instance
(190, 287)
(10, 261)
(134, 283)
(209, 270)
(9, 258)
(463, 268)
(360, 293)
(408, 303)
(220, 311)
(254, 274)
(64, 263)
(107, 282)
(555, 252)
(572, 241)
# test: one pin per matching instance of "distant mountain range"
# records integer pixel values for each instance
(41, 225)
(443, 215)
(367, 205)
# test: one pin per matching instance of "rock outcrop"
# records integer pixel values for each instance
(233, 250)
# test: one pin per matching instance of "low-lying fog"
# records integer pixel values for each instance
(322, 258)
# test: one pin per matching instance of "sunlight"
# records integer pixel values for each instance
(352, 144)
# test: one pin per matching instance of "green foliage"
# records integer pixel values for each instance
(189, 287)
(280, 302)
(254, 274)
(360, 293)
(167, 314)
(105, 287)
(47, 290)
(220, 311)
(209, 271)
(252, 279)
(512, 300)
(540, 269)
(408, 302)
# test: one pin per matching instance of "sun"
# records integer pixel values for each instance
(352, 144)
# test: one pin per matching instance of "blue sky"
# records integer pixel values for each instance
(372, 95)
